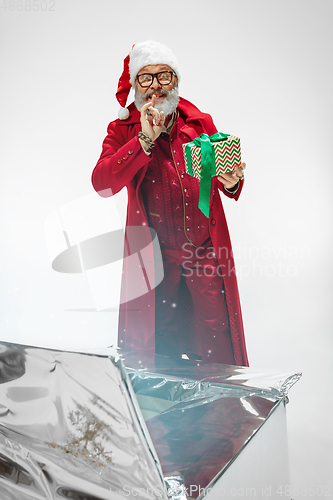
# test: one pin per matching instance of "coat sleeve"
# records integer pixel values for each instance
(235, 195)
(121, 158)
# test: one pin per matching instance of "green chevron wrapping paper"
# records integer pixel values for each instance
(205, 157)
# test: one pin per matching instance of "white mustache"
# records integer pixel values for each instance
(156, 92)
(168, 104)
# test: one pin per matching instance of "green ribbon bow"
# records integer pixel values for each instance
(208, 166)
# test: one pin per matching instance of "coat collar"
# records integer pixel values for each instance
(186, 108)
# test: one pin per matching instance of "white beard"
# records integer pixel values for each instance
(167, 105)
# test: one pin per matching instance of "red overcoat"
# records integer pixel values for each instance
(124, 163)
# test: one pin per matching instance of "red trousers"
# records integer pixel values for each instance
(209, 324)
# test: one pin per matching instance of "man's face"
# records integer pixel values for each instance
(155, 87)
(167, 96)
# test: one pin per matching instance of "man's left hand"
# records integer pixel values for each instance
(230, 179)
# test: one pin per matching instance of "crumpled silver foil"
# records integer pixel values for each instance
(70, 427)
(176, 488)
(121, 425)
(201, 416)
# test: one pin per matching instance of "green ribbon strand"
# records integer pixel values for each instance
(208, 166)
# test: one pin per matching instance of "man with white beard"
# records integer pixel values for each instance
(195, 310)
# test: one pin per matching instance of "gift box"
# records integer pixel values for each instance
(206, 157)
(116, 425)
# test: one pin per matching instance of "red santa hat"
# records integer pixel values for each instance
(141, 55)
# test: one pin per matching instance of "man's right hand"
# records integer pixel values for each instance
(152, 121)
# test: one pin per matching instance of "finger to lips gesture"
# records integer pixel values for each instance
(230, 179)
(152, 121)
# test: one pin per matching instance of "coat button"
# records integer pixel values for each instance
(213, 222)
(130, 151)
(120, 161)
(125, 157)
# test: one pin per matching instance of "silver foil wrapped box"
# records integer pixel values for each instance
(98, 427)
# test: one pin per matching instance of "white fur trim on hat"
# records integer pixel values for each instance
(151, 52)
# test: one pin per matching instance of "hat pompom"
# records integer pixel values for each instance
(123, 113)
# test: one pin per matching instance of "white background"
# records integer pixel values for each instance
(263, 69)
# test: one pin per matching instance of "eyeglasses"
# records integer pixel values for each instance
(163, 78)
